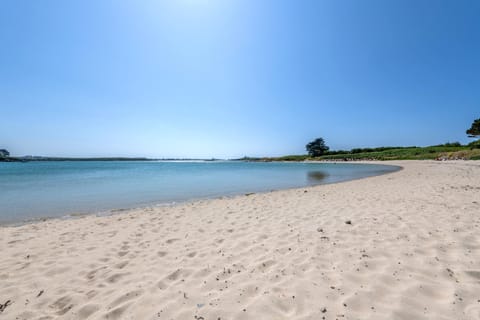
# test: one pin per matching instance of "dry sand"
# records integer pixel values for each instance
(411, 251)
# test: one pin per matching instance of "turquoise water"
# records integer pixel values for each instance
(54, 189)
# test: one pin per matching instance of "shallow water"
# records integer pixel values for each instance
(53, 189)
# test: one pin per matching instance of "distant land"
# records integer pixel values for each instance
(447, 151)
(42, 158)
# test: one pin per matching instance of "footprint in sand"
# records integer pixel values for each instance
(126, 297)
(474, 274)
(121, 265)
(177, 274)
(122, 253)
(63, 305)
(162, 253)
(266, 264)
(162, 285)
(87, 310)
(116, 313)
(116, 277)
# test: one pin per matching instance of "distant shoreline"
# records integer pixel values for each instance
(447, 151)
(36, 159)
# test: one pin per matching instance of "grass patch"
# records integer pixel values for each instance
(447, 151)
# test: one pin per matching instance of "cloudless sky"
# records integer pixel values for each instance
(219, 78)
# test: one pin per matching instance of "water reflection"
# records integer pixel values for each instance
(316, 176)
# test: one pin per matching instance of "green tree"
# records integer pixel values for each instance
(4, 153)
(474, 130)
(317, 147)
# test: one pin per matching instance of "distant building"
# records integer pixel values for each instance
(4, 153)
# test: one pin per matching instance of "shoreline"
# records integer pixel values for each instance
(404, 245)
(153, 205)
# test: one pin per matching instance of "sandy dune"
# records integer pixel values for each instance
(400, 246)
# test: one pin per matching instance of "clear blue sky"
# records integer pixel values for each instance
(198, 78)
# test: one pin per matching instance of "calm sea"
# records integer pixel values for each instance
(55, 189)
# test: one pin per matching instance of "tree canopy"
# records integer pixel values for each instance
(4, 153)
(474, 130)
(317, 147)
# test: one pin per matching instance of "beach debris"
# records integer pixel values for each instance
(40, 293)
(249, 193)
(324, 310)
(319, 229)
(3, 306)
(199, 305)
(348, 222)
(452, 274)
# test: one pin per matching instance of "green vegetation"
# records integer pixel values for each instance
(293, 158)
(474, 130)
(449, 150)
(317, 150)
(5, 156)
(474, 144)
(445, 151)
(4, 153)
(317, 147)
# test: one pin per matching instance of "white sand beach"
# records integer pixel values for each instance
(405, 245)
